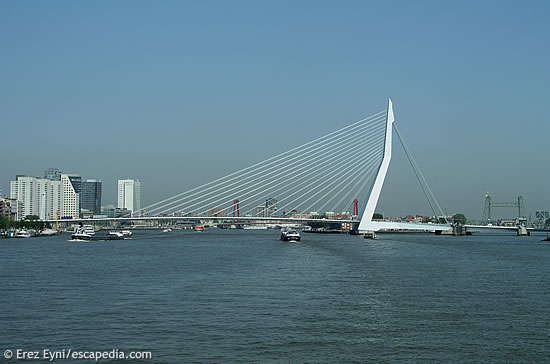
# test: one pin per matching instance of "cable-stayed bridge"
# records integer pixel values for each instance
(333, 174)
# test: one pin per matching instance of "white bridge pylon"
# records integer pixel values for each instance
(366, 223)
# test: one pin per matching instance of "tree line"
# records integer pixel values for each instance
(31, 222)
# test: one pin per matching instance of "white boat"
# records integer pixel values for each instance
(117, 234)
(48, 232)
(126, 233)
(81, 237)
(84, 232)
(22, 234)
(87, 229)
(290, 235)
(167, 230)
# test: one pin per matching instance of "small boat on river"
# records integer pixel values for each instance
(22, 234)
(290, 235)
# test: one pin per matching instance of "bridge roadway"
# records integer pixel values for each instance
(199, 218)
(377, 225)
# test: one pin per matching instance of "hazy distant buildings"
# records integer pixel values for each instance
(129, 195)
(270, 207)
(90, 197)
(53, 174)
(71, 187)
(260, 211)
(216, 212)
(5, 207)
(9, 208)
(108, 211)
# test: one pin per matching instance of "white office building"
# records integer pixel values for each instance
(36, 196)
(129, 195)
(70, 195)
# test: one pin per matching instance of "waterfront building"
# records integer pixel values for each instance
(270, 207)
(54, 199)
(108, 210)
(216, 212)
(35, 196)
(260, 211)
(122, 212)
(292, 213)
(129, 195)
(24, 190)
(5, 207)
(71, 187)
(15, 209)
(90, 197)
(9, 208)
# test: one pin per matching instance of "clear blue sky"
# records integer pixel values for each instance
(176, 93)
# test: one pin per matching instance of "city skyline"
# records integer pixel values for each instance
(181, 94)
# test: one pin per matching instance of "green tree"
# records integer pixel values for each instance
(5, 222)
(459, 218)
(377, 216)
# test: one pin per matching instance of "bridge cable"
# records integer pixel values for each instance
(241, 183)
(255, 172)
(267, 160)
(420, 176)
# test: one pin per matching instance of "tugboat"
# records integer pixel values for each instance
(290, 235)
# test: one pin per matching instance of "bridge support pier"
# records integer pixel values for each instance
(369, 234)
(455, 230)
(522, 231)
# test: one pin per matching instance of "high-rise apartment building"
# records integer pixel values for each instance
(129, 195)
(36, 196)
(90, 197)
(71, 187)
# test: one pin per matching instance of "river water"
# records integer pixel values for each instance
(245, 296)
